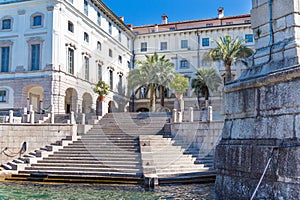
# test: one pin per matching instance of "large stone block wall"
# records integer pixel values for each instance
(278, 47)
(202, 135)
(36, 136)
(262, 116)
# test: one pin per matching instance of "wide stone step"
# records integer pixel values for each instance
(88, 165)
(83, 169)
(101, 147)
(80, 173)
(171, 171)
(121, 152)
(104, 162)
(98, 158)
(97, 155)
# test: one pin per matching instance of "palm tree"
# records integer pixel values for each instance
(207, 79)
(229, 51)
(154, 72)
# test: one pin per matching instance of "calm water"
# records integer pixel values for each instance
(79, 191)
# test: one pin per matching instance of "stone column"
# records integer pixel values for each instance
(209, 114)
(262, 112)
(191, 114)
(11, 117)
(174, 115)
(32, 116)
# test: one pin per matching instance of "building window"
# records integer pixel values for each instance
(163, 46)
(120, 59)
(70, 61)
(120, 82)
(6, 24)
(110, 53)
(99, 18)
(128, 43)
(109, 28)
(209, 25)
(36, 20)
(35, 57)
(120, 36)
(205, 42)
(86, 61)
(86, 7)
(247, 21)
(229, 23)
(143, 46)
(4, 59)
(172, 29)
(70, 27)
(111, 79)
(184, 44)
(248, 38)
(99, 72)
(86, 37)
(99, 46)
(184, 64)
(128, 64)
(3, 96)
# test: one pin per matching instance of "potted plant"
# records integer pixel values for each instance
(102, 89)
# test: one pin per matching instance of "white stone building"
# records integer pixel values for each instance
(52, 52)
(186, 44)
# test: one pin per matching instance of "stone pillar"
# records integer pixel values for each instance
(11, 117)
(209, 114)
(41, 106)
(32, 116)
(83, 118)
(262, 112)
(174, 115)
(52, 115)
(72, 118)
(180, 117)
(191, 114)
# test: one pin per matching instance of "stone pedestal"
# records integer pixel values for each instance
(263, 112)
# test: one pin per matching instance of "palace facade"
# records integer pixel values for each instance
(52, 53)
(186, 44)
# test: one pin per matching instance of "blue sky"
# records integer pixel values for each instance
(142, 12)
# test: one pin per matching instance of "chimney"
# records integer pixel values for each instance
(220, 12)
(156, 28)
(130, 26)
(164, 18)
(122, 18)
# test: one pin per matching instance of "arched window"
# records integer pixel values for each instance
(99, 46)
(6, 23)
(86, 37)
(37, 20)
(70, 26)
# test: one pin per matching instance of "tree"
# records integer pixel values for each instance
(229, 51)
(179, 84)
(154, 72)
(207, 79)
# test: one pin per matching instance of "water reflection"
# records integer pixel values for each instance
(81, 191)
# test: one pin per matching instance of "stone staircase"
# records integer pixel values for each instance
(111, 152)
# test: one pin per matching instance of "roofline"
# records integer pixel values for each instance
(106, 10)
(197, 29)
(191, 21)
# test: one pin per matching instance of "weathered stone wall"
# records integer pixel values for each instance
(262, 114)
(202, 135)
(36, 136)
(281, 39)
